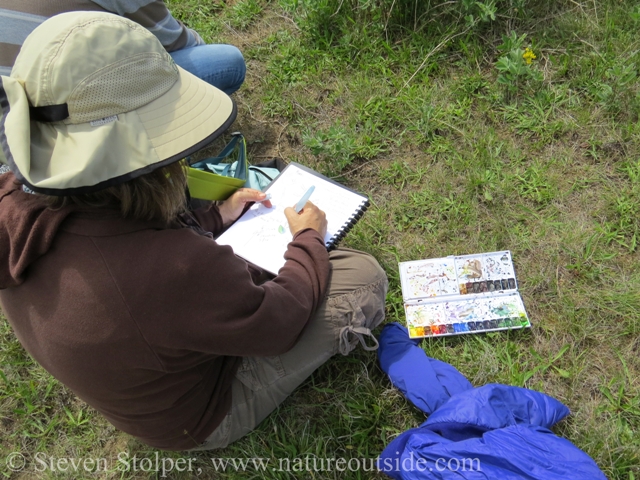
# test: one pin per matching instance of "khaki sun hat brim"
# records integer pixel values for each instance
(69, 159)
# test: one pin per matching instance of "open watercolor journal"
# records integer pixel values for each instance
(461, 294)
(261, 234)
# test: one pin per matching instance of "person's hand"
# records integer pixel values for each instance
(309, 217)
(233, 206)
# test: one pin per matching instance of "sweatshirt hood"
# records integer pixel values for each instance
(27, 230)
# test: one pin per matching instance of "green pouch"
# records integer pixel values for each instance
(210, 179)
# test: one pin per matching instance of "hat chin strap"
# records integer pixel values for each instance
(49, 113)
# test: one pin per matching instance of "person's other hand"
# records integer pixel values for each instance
(309, 217)
(233, 206)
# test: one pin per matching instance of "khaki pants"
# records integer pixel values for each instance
(354, 305)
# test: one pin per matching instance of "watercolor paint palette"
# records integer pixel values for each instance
(461, 294)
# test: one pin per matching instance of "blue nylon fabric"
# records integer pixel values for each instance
(428, 383)
(508, 406)
(491, 432)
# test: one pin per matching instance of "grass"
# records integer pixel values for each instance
(462, 147)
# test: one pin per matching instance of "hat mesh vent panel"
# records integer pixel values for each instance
(122, 88)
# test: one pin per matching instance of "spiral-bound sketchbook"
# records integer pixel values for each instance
(261, 234)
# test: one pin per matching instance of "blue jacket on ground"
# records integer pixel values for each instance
(491, 432)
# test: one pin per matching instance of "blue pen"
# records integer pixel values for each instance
(300, 205)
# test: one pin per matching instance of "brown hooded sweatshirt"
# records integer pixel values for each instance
(147, 323)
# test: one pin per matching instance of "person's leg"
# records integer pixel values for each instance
(220, 65)
(354, 306)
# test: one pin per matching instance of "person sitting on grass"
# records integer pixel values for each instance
(119, 291)
(220, 65)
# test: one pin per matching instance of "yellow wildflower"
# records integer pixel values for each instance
(528, 55)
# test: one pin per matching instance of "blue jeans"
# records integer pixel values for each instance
(220, 65)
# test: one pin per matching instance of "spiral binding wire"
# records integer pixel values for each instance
(340, 234)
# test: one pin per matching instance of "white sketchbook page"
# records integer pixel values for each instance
(262, 234)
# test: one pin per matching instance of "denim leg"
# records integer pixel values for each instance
(220, 65)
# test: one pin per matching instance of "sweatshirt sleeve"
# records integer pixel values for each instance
(200, 297)
(155, 17)
(209, 219)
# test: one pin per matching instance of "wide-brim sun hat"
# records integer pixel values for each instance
(94, 100)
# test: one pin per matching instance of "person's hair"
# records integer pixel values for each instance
(159, 195)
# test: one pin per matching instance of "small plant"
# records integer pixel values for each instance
(77, 420)
(244, 13)
(289, 67)
(515, 65)
(336, 145)
(619, 91)
(623, 225)
(478, 12)
(400, 173)
(533, 184)
(485, 183)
